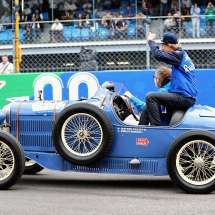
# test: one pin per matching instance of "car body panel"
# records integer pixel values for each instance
(32, 121)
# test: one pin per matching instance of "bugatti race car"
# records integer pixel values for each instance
(92, 135)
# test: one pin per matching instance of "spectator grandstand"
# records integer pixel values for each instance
(116, 29)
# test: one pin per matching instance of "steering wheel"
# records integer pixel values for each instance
(117, 110)
(131, 109)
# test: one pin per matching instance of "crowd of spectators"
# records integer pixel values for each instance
(111, 14)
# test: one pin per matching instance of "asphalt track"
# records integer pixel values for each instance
(52, 192)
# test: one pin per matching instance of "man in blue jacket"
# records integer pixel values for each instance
(183, 87)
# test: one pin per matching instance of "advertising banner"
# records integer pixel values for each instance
(73, 85)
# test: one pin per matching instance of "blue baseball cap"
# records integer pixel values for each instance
(170, 38)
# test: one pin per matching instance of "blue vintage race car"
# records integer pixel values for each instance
(91, 135)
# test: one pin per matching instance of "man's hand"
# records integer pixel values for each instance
(151, 36)
(128, 94)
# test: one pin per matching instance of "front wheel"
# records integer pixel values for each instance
(12, 160)
(83, 134)
(191, 162)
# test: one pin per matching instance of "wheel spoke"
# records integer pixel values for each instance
(82, 134)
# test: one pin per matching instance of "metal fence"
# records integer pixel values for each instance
(105, 49)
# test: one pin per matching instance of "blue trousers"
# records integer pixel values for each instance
(154, 100)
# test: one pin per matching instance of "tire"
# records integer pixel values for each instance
(32, 167)
(12, 160)
(83, 134)
(191, 162)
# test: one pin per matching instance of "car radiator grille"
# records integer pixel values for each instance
(34, 133)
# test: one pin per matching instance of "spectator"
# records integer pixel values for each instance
(35, 26)
(28, 33)
(39, 17)
(146, 6)
(53, 5)
(88, 6)
(178, 19)
(79, 23)
(141, 22)
(37, 4)
(121, 28)
(87, 23)
(5, 66)
(188, 3)
(84, 13)
(163, 7)
(104, 20)
(195, 11)
(210, 12)
(128, 12)
(1, 27)
(173, 2)
(185, 12)
(107, 4)
(116, 16)
(23, 18)
(169, 23)
(100, 13)
(6, 20)
(30, 3)
(27, 11)
(56, 31)
(67, 15)
(72, 8)
(174, 10)
(111, 26)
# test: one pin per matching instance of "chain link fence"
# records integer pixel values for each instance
(104, 48)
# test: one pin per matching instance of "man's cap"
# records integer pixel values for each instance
(170, 38)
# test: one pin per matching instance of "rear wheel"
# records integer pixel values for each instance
(12, 160)
(191, 162)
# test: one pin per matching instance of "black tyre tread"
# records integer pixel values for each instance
(21, 165)
(175, 147)
(100, 113)
(31, 170)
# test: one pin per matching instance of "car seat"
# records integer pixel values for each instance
(176, 117)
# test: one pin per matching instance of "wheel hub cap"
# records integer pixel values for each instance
(82, 134)
(198, 162)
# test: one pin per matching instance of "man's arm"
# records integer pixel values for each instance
(174, 58)
(138, 103)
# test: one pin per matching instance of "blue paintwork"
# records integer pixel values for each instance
(35, 127)
(2, 116)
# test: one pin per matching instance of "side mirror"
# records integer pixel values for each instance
(110, 87)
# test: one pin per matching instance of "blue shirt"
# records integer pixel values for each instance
(140, 104)
(183, 78)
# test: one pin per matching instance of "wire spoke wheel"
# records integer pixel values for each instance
(191, 161)
(82, 134)
(195, 162)
(7, 161)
